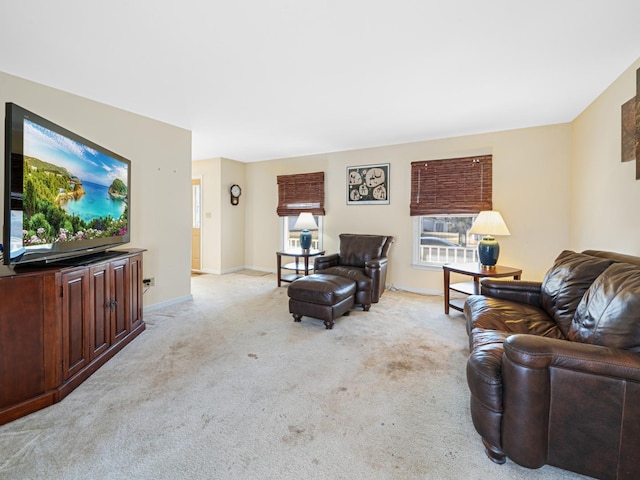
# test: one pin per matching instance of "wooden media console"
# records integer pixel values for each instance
(59, 324)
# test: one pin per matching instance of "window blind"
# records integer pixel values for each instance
(451, 186)
(303, 192)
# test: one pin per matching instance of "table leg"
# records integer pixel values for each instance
(306, 265)
(446, 290)
(279, 273)
(476, 284)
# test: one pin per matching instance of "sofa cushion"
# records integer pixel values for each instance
(490, 313)
(566, 282)
(321, 289)
(356, 250)
(363, 282)
(609, 313)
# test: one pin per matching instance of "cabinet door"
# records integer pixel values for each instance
(75, 321)
(22, 340)
(120, 298)
(100, 326)
(135, 270)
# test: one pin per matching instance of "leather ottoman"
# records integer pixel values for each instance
(321, 296)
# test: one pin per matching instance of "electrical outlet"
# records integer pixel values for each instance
(149, 282)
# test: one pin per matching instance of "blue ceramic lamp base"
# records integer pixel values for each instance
(488, 251)
(305, 239)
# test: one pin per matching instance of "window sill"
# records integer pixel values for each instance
(431, 266)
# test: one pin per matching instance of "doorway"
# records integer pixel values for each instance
(196, 216)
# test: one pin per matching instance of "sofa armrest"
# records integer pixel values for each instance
(553, 388)
(326, 261)
(532, 351)
(376, 269)
(515, 290)
(375, 264)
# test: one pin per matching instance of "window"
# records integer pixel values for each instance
(300, 193)
(291, 237)
(296, 194)
(446, 196)
(195, 223)
(444, 239)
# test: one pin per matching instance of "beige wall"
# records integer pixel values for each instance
(263, 224)
(208, 171)
(530, 185)
(160, 155)
(223, 224)
(233, 232)
(605, 194)
(558, 186)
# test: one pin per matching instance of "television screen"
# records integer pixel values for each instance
(65, 196)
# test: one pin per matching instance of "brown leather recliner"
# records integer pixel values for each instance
(362, 258)
(554, 370)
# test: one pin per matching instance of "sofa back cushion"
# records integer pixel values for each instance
(615, 256)
(356, 250)
(609, 313)
(566, 282)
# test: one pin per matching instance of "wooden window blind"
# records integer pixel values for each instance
(451, 186)
(299, 193)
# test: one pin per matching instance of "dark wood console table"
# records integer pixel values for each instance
(476, 271)
(59, 324)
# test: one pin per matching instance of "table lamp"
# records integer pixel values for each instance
(489, 223)
(305, 223)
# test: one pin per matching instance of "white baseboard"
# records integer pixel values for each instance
(168, 303)
(415, 290)
(257, 269)
(206, 270)
(232, 270)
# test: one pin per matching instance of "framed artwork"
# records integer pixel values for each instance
(629, 130)
(368, 185)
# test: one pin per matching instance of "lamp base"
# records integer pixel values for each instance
(488, 251)
(305, 239)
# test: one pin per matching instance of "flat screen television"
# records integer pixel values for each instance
(64, 197)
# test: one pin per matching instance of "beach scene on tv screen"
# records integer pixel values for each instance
(71, 191)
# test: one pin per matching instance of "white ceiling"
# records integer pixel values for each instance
(262, 79)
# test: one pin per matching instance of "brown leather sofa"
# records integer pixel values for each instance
(554, 370)
(362, 258)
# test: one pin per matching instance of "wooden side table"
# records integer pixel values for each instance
(476, 271)
(300, 270)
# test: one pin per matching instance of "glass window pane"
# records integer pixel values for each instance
(292, 236)
(444, 239)
(196, 206)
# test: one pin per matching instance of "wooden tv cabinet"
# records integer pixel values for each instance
(59, 324)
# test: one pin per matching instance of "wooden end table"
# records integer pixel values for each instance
(476, 271)
(300, 270)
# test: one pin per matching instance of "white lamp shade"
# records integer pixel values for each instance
(489, 222)
(305, 221)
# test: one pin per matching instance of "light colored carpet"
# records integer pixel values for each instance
(253, 273)
(229, 387)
